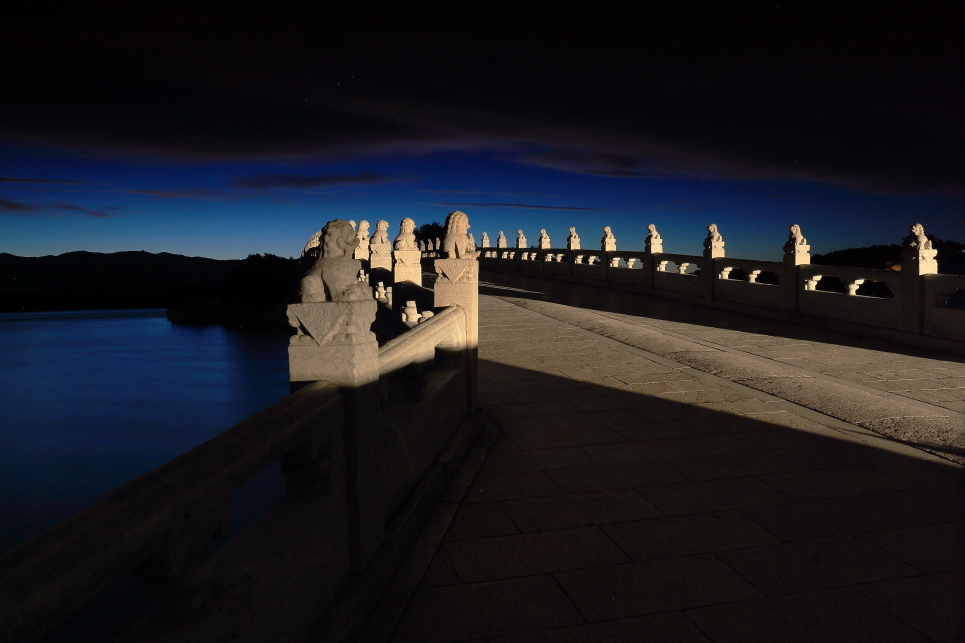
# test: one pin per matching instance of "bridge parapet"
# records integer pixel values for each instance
(913, 305)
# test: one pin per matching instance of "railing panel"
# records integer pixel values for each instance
(943, 306)
(749, 292)
(873, 311)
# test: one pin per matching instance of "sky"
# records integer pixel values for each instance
(214, 134)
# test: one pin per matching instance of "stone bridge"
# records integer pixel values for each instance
(518, 458)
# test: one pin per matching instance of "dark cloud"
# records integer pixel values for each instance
(268, 181)
(16, 207)
(522, 206)
(51, 209)
(610, 164)
(103, 213)
(188, 193)
(11, 179)
(530, 194)
(861, 93)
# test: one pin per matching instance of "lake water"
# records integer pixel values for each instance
(91, 400)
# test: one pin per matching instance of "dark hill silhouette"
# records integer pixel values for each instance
(951, 257)
(98, 281)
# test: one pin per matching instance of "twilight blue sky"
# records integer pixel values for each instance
(201, 134)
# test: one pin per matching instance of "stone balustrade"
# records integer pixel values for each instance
(910, 305)
(368, 441)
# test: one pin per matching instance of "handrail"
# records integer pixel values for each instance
(422, 339)
(44, 580)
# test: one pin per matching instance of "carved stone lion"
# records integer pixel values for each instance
(334, 277)
(406, 237)
(456, 245)
(381, 233)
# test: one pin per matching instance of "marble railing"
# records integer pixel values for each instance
(365, 460)
(913, 305)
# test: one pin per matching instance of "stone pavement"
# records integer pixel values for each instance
(634, 495)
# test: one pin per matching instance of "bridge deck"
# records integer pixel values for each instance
(682, 474)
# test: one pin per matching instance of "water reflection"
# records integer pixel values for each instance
(92, 399)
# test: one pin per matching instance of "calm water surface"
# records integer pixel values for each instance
(90, 400)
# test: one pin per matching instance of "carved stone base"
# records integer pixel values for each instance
(380, 256)
(341, 364)
(333, 342)
(408, 266)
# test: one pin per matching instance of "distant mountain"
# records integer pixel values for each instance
(97, 281)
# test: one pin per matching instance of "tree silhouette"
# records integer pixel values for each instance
(430, 231)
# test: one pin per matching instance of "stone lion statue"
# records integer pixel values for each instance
(456, 245)
(381, 233)
(406, 237)
(335, 275)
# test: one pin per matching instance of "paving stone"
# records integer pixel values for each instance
(824, 518)
(579, 510)
(585, 419)
(683, 427)
(643, 451)
(906, 385)
(826, 453)
(751, 441)
(930, 604)
(757, 407)
(552, 395)
(957, 405)
(903, 374)
(815, 564)
(506, 486)
(480, 520)
(820, 617)
(514, 424)
(615, 476)
(932, 549)
(937, 396)
(530, 409)
(732, 465)
(602, 402)
(838, 400)
(536, 460)
(671, 627)
(440, 571)
(565, 437)
(832, 483)
(670, 376)
(688, 535)
(713, 495)
(501, 387)
(463, 612)
(916, 473)
(533, 553)
(932, 506)
(697, 397)
(634, 589)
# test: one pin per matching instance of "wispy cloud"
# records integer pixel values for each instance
(623, 166)
(522, 206)
(13, 179)
(268, 181)
(54, 209)
(188, 193)
(532, 194)
(6, 205)
(104, 213)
